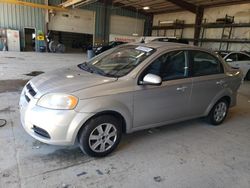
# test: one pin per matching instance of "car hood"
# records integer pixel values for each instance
(67, 80)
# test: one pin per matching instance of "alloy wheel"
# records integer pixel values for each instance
(220, 111)
(103, 137)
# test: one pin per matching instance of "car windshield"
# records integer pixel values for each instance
(118, 62)
(221, 54)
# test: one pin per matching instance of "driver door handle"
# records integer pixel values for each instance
(181, 88)
(221, 82)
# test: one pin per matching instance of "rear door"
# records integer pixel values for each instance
(208, 80)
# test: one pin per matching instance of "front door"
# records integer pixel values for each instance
(155, 105)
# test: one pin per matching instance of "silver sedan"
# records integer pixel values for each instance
(126, 89)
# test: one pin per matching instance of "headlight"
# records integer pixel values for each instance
(58, 101)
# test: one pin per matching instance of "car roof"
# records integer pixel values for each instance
(235, 52)
(165, 45)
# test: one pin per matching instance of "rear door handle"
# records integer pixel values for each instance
(221, 82)
(181, 88)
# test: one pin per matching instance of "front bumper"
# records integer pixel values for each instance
(62, 126)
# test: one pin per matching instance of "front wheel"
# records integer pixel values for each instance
(100, 136)
(218, 113)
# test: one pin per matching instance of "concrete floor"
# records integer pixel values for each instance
(191, 154)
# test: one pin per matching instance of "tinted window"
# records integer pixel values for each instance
(204, 64)
(243, 57)
(233, 57)
(172, 65)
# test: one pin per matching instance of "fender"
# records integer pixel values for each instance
(224, 93)
(121, 103)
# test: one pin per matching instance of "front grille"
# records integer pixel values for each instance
(30, 89)
(41, 132)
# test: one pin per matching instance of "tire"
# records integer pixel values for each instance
(52, 46)
(218, 113)
(248, 75)
(100, 136)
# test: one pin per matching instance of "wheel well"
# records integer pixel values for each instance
(228, 99)
(111, 113)
(247, 77)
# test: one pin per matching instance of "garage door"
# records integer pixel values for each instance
(126, 25)
(76, 21)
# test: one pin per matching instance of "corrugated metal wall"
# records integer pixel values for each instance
(18, 17)
(55, 2)
(125, 12)
(99, 20)
(99, 23)
(99, 17)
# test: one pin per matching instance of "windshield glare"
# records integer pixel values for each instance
(121, 60)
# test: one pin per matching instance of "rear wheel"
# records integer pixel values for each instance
(100, 136)
(219, 112)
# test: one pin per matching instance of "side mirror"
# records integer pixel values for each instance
(229, 60)
(151, 79)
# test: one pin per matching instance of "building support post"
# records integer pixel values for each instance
(106, 26)
(148, 26)
(103, 24)
(198, 24)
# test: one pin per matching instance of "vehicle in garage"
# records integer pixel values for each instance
(171, 39)
(126, 89)
(222, 53)
(239, 60)
(112, 44)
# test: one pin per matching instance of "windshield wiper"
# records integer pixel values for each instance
(115, 74)
(86, 67)
(93, 69)
(101, 72)
(109, 75)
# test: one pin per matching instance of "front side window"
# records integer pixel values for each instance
(118, 62)
(232, 57)
(204, 64)
(172, 65)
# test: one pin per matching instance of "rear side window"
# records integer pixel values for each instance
(243, 57)
(204, 64)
